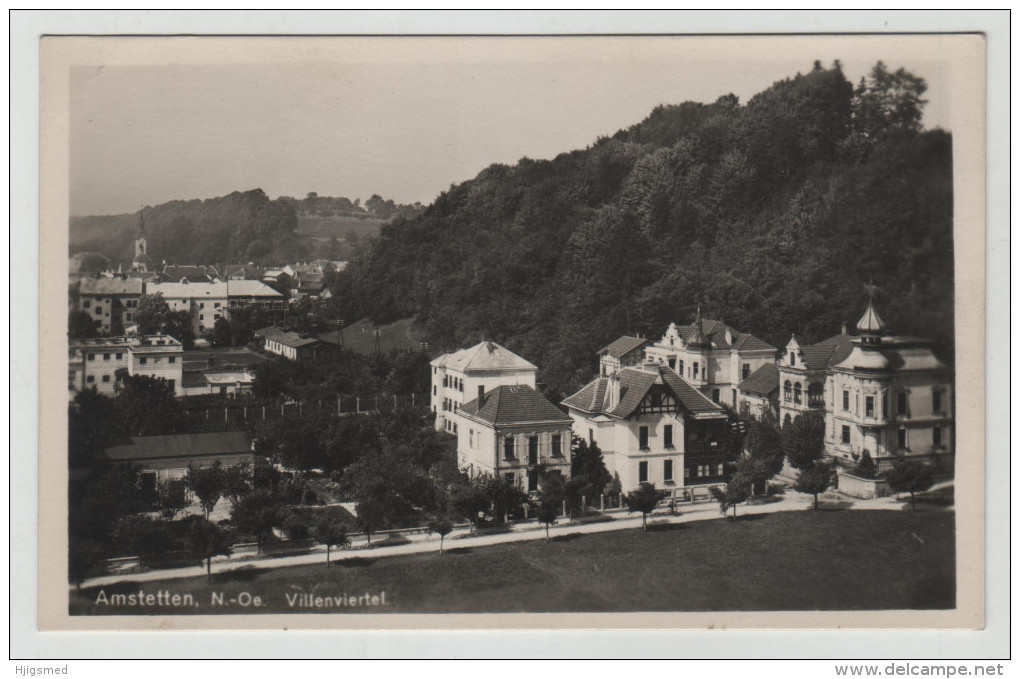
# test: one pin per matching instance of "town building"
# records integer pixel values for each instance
(758, 395)
(890, 398)
(652, 426)
(208, 302)
(803, 370)
(158, 356)
(292, 345)
(112, 302)
(178, 273)
(141, 261)
(456, 377)
(228, 383)
(624, 352)
(168, 457)
(100, 362)
(515, 433)
(711, 356)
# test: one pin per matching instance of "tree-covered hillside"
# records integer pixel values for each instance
(241, 227)
(772, 215)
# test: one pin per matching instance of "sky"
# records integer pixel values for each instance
(402, 120)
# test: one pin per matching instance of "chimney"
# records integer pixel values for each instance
(481, 396)
(613, 392)
(843, 331)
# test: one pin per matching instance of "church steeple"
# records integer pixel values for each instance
(141, 261)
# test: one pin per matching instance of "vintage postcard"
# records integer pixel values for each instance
(662, 332)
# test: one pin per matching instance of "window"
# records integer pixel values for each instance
(846, 399)
(797, 393)
(99, 310)
(680, 368)
(216, 305)
(901, 438)
(667, 436)
(687, 472)
(643, 438)
(201, 317)
(471, 438)
(901, 403)
(90, 379)
(532, 450)
(745, 372)
(672, 362)
(667, 470)
(787, 390)
(142, 360)
(92, 357)
(106, 379)
(642, 472)
(695, 370)
(557, 441)
(508, 447)
(591, 436)
(532, 480)
(216, 317)
(936, 400)
(86, 304)
(936, 436)
(510, 478)
(454, 424)
(433, 390)
(201, 305)
(793, 358)
(846, 435)
(869, 406)
(128, 317)
(704, 470)
(155, 359)
(172, 359)
(715, 395)
(445, 379)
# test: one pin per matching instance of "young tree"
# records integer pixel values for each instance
(204, 539)
(331, 530)
(910, 476)
(151, 314)
(866, 468)
(763, 441)
(643, 500)
(257, 513)
(804, 440)
(470, 498)
(371, 513)
(737, 490)
(237, 482)
(441, 526)
(588, 474)
(207, 485)
(551, 494)
(147, 406)
(179, 325)
(171, 498)
(755, 471)
(80, 325)
(816, 479)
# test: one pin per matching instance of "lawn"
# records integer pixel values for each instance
(810, 560)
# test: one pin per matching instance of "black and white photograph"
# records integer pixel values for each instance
(363, 327)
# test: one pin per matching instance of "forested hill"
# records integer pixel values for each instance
(772, 215)
(240, 227)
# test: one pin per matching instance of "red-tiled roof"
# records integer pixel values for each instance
(623, 346)
(514, 404)
(762, 381)
(634, 386)
(181, 445)
(827, 353)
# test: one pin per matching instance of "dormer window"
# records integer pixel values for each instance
(793, 358)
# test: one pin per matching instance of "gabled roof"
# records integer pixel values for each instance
(249, 288)
(111, 286)
(173, 273)
(483, 356)
(243, 272)
(827, 353)
(623, 346)
(287, 337)
(514, 404)
(762, 381)
(189, 290)
(182, 446)
(715, 331)
(635, 384)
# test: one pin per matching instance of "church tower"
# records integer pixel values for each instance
(141, 260)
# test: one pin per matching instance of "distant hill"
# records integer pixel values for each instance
(771, 215)
(244, 226)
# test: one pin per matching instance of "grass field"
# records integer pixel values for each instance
(828, 560)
